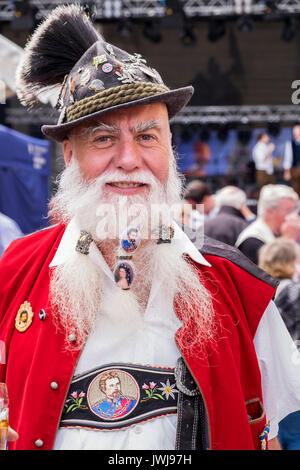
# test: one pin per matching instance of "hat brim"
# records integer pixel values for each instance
(175, 100)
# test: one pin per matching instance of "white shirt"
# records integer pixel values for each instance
(257, 229)
(287, 156)
(260, 150)
(155, 345)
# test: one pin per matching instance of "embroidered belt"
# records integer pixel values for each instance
(119, 395)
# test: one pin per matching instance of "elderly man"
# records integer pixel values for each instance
(192, 334)
(232, 217)
(277, 215)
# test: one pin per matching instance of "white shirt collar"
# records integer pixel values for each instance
(187, 247)
(69, 239)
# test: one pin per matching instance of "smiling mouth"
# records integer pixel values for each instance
(119, 184)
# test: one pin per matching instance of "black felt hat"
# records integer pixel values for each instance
(95, 76)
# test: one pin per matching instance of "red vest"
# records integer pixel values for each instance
(38, 369)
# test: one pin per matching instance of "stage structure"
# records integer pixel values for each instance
(285, 115)
(135, 9)
(238, 114)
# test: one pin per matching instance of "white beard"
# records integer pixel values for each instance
(103, 215)
(76, 289)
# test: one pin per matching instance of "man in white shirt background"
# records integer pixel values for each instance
(262, 156)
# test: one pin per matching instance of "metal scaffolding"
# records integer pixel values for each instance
(238, 114)
(219, 115)
(141, 9)
(194, 8)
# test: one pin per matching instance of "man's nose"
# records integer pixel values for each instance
(129, 156)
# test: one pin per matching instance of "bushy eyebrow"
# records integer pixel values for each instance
(146, 126)
(101, 126)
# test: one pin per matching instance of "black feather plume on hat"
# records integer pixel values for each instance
(53, 50)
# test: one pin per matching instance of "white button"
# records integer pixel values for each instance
(138, 430)
(39, 443)
(54, 385)
(72, 338)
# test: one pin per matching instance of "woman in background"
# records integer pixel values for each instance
(280, 258)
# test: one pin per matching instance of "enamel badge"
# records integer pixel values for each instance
(130, 240)
(106, 68)
(98, 60)
(85, 76)
(124, 274)
(96, 85)
(24, 317)
(110, 50)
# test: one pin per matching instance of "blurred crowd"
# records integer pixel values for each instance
(268, 233)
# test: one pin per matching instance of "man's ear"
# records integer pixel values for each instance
(67, 148)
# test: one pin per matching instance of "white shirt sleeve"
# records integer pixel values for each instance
(287, 156)
(279, 363)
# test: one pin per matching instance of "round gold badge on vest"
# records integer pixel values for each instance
(24, 317)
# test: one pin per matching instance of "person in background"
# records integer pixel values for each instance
(262, 157)
(202, 155)
(280, 258)
(9, 231)
(277, 212)
(198, 192)
(238, 169)
(291, 159)
(232, 216)
(182, 213)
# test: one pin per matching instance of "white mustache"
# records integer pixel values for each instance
(142, 177)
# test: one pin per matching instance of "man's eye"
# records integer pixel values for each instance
(146, 137)
(102, 138)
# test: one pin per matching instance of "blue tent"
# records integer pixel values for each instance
(25, 165)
